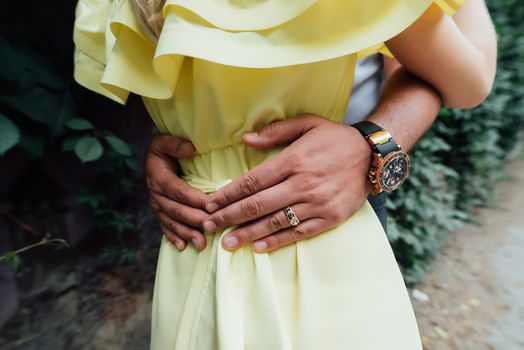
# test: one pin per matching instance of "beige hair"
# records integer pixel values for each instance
(149, 15)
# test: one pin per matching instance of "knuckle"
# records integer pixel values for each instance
(322, 197)
(243, 236)
(221, 219)
(251, 209)
(175, 211)
(296, 161)
(174, 191)
(293, 160)
(270, 130)
(153, 203)
(225, 197)
(307, 183)
(308, 196)
(299, 233)
(157, 141)
(340, 216)
(272, 242)
(151, 184)
(274, 223)
(249, 184)
(337, 215)
(167, 224)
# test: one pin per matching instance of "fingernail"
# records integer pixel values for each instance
(211, 207)
(229, 242)
(195, 242)
(260, 246)
(179, 245)
(251, 136)
(185, 147)
(210, 226)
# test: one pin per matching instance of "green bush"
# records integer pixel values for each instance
(456, 165)
(43, 112)
(61, 136)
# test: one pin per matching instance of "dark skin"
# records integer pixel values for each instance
(327, 186)
(323, 169)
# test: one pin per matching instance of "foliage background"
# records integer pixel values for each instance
(457, 163)
(69, 159)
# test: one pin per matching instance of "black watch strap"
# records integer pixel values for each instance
(367, 128)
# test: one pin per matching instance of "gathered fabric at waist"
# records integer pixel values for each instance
(210, 170)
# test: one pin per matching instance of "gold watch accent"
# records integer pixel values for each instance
(390, 165)
(379, 137)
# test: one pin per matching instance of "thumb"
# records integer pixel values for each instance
(280, 132)
(172, 146)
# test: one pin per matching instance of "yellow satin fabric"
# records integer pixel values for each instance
(219, 69)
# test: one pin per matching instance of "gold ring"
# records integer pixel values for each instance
(291, 216)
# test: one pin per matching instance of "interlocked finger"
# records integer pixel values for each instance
(179, 243)
(264, 226)
(252, 208)
(185, 232)
(305, 229)
(180, 212)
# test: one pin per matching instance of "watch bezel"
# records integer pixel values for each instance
(383, 164)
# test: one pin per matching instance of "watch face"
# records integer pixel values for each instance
(394, 170)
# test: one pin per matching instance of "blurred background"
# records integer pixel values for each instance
(78, 242)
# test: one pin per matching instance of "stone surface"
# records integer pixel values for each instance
(474, 292)
(476, 287)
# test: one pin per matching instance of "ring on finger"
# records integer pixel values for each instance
(291, 216)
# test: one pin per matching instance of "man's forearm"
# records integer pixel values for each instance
(407, 108)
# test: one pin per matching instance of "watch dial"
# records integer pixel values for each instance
(395, 170)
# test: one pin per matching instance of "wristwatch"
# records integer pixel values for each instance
(390, 165)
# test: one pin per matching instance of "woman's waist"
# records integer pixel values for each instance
(210, 170)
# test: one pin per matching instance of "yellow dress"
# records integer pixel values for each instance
(219, 69)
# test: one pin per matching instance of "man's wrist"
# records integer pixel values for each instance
(363, 147)
(390, 165)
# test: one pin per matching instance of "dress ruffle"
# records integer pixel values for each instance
(114, 57)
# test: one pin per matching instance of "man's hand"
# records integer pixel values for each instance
(179, 207)
(321, 175)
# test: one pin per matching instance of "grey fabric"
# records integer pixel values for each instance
(364, 97)
(367, 84)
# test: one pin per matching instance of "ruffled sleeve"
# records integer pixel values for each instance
(114, 57)
(89, 38)
(450, 6)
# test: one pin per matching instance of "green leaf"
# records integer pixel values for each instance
(39, 86)
(122, 221)
(12, 258)
(93, 199)
(133, 164)
(9, 134)
(119, 145)
(68, 144)
(127, 256)
(79, 124)
(88, 149)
